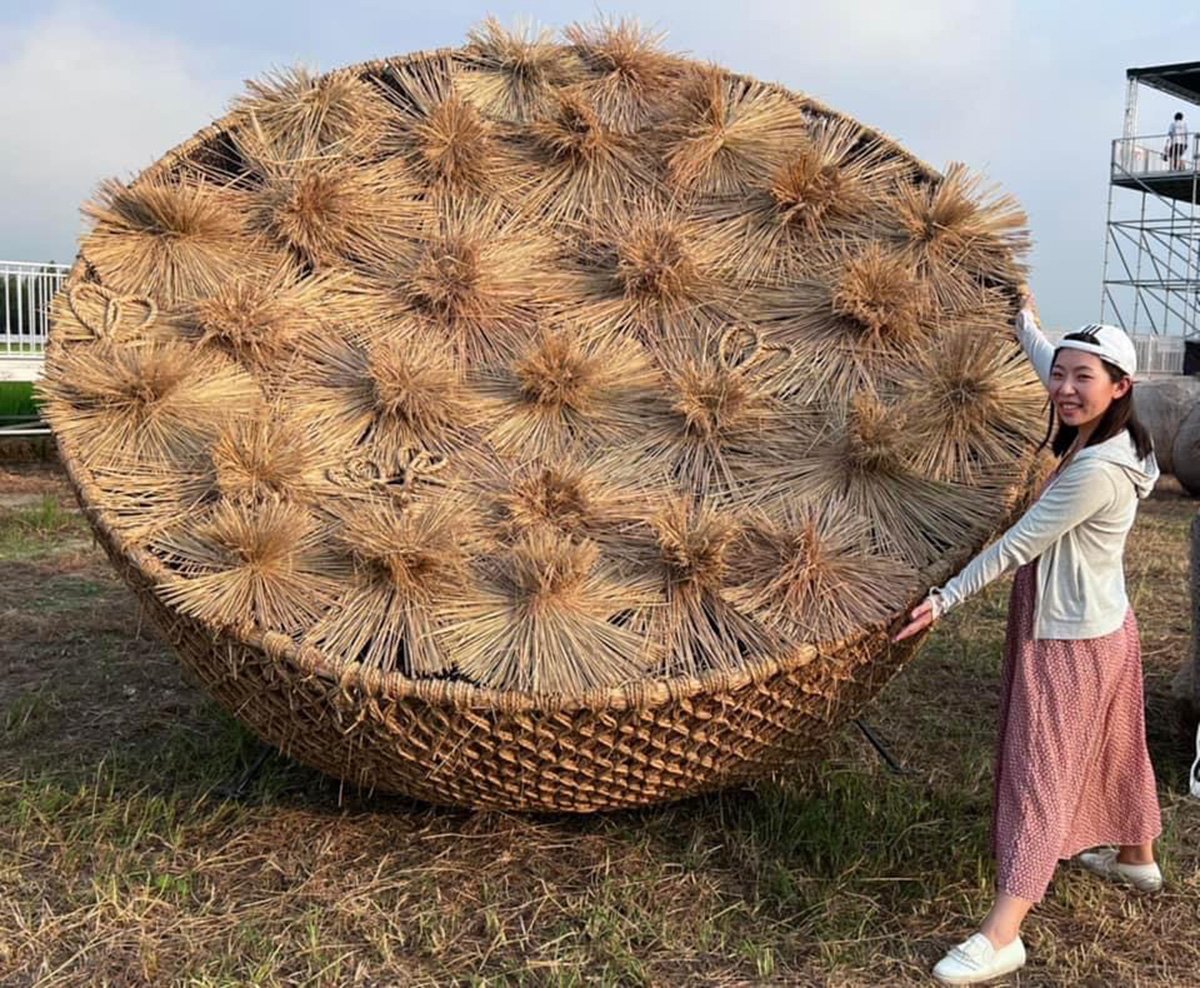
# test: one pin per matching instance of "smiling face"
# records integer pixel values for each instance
(1082, 388)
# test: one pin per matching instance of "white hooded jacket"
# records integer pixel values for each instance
(1076, 529)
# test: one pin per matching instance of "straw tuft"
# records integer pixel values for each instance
(156, 403)
(332, 212)
(168, 240)
(971, 409)
(630, 77)
(542, 618)
(250, 564)
(257, 460)
(880, 294)
(570, 390)
(812, 574)
(731, 134)
(513, 75)
(383, 395)
(957, 231)
(697, 627)
(588, 168)
(448, 145)
(406, 562)
(294, 114)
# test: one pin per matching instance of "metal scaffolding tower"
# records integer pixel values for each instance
(1152, 248)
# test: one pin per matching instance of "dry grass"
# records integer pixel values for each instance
(125, 859)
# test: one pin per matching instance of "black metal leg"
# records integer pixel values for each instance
(881, 748)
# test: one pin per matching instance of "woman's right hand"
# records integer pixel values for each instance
(920, 619)
(1026, 304)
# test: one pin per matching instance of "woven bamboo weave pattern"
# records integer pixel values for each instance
(542, 424)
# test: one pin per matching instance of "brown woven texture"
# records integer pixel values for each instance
(707, 666)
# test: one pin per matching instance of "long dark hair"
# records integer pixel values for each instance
(1119, 415)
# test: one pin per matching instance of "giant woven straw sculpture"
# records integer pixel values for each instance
(541, 425)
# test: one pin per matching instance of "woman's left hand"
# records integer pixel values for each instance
(920, 619)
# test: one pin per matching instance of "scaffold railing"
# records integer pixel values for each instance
(1154, 154)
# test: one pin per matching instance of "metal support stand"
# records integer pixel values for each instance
(881, 748)
(236, 792)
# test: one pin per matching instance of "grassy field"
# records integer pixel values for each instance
(16, 398)
(136, 848)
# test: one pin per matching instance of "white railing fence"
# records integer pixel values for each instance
(26, 289)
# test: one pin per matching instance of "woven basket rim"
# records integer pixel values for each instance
(459, 694)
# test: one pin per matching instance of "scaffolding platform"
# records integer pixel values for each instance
(1152, 246)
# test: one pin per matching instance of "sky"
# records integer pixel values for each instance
(1029, 94)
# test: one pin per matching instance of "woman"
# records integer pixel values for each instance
(1072, 770)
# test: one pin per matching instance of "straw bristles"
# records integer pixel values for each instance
(570, 390)
(251, 564)
(153, 403)
(513, 75)
(599, 499)
(445, 141)
(406, 563)
(265, 459)
(631, 80)
(584, 168)
(543, 616)
(148, 499)
(732, 134)
(257, 320)
(294, 114)
(865, 460)
(958, 232)
(810, 574)
(834, 183)
(971, 409)
(695, 543)
(469, 281)
(169, 240)
(881, 296)
(333, 212)
(718, 428)
(384, 395)
(696, 627)
(455, 148)
(656, 273)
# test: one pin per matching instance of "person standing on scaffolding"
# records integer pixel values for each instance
(1177, 142)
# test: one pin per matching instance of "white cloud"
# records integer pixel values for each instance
(88, 97)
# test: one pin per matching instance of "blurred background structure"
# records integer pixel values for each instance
(1152, 249)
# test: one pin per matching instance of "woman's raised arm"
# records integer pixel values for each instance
(1033, 341)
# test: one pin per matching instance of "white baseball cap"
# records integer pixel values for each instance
(1111, 343)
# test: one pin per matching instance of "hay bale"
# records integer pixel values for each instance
(1185, 451)
(542, 425)
(1161, 407)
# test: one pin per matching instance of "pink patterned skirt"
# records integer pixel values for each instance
(1072, 769)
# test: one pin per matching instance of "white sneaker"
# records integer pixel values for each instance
(1143, 877)
(975, 960)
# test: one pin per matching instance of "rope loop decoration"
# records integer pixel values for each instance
(741, 349)
(411, 467)
(108, 326)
